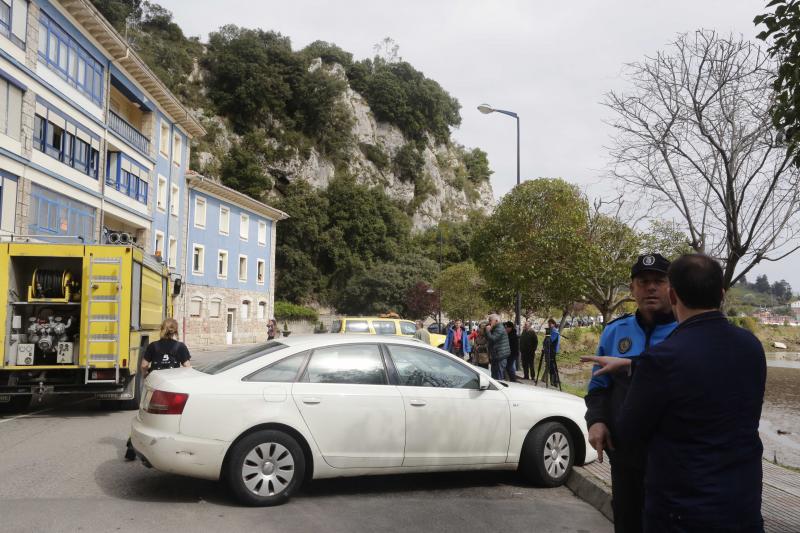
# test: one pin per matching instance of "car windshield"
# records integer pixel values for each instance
(239, 358)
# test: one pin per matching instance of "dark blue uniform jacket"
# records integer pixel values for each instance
(626, 336)
(695, 404)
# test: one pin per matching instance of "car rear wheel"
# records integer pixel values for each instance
(265, 468)
(547, 455)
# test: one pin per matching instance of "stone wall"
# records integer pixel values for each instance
(207, 330)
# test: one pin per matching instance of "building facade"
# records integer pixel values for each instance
(93, 144)
(230, 275)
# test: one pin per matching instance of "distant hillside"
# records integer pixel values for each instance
(275, 115)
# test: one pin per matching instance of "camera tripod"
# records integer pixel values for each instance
(550, 374)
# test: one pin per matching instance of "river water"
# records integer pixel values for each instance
(781, 411)
(780, 415)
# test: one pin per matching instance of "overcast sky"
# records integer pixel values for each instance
(550, 62)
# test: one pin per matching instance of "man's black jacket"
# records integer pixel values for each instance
(695, 404)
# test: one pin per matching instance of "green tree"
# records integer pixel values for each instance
(242, 168)
(303, 240)
(383, 287)
(762, 284)
(476, 162)
(535, 242)
(665, 238)
(461, 288)
(612, 247)
(782, 28)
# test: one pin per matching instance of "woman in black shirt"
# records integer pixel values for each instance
(166, 352)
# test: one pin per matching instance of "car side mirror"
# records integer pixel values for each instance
(483, 381)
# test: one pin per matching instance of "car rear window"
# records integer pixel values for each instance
(384, 327)
(239, 358)
(356, 326)
(408, 328)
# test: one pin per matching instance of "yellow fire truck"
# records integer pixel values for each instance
(76, 318)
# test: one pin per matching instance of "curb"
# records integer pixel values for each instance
(591, 489)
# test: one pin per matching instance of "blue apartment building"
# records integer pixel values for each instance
(92, 143)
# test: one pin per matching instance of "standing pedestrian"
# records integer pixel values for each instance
(695, 404)
(480, 346)
(627, 337)
(457, 342)
(555, 336)
(499, 350)
(528, 342)
(422, 333)
(513, 344)
(272, 327)
(166, 352)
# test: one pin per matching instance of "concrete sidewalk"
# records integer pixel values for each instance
(780, 497)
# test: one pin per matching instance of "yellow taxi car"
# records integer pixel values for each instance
(371, 325)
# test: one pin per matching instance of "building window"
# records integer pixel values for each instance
(10, 108)
(64, 56)
(174, 200)
(161, 196)
(262, 310)
(73, 146)
(262, 233)
(195, 306)
(244, 227)
(14, 20)
(222, 264)
(158, 250)
(176, 149)
(224, 219)
(173, 252)
(261, 268)
(163, 140)
(198, 258)
(214, 308)
(125, 176)
(55, 214)
(242, 268)
(199, 212)
(245, 309)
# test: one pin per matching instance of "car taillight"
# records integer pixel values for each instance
(167, 403)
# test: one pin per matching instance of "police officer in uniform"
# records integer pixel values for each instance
(628, 336)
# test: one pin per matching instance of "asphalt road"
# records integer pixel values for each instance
(62, 469)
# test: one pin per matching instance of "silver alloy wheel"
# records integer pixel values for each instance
(556, 454)
(268, 469)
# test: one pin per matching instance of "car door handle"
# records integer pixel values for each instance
(311, 400)
(418, 403)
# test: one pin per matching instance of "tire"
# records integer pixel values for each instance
(547, 455)
(265, 468)
(17, 404)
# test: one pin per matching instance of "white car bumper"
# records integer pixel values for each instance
(178, 454)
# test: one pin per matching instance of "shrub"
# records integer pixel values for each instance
(409, 163)
(747, 322)
(376, 155)
(289, 311)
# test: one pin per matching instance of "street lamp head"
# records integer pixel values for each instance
(430, 291)
(485, 109)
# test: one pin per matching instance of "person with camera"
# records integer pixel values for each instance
(627, 337)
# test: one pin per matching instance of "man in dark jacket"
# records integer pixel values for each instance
(513, 344)
(528, 342)
(627, 337)
(695, 403)
(499, 350)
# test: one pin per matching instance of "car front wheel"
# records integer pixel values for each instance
(265, 468)
(547, 455)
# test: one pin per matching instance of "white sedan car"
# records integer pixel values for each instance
(322, 406)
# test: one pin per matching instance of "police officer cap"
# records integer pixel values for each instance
(650, 262)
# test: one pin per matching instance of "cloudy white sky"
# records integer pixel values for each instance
(551, 62)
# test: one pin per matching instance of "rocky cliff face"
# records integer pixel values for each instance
(447, 198)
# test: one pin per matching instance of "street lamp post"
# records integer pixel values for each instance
(486, 109)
